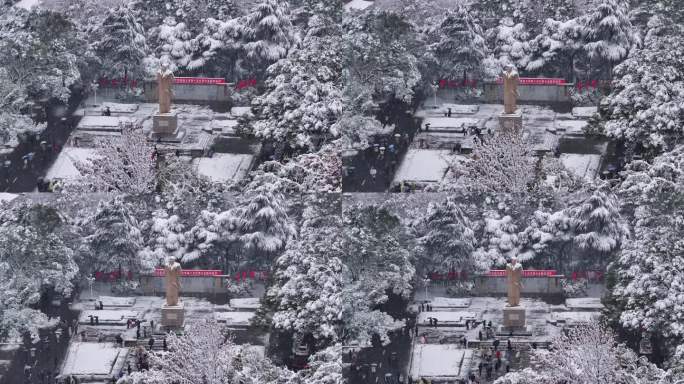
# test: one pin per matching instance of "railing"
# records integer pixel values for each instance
(525, 273)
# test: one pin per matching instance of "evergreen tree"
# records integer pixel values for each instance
(608, 33)
(115, 240)
(446, 239)
(268, 34)
(123, 45)
(460, 47)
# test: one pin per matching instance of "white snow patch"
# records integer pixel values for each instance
(584, 303)
(111, 301)
(92, 359)
(240, 111)
(423, 165)
(573, 318)
(357, 4)
(7, 197)
(234, 318)
(571, 127)
(108, 317)
(584, 112)
(28, 4)
(63, 168)
(440, 361)
(447, 318)
(451, 122)
(450, 302)
(224, 167)
(582, 165)
(250, 303)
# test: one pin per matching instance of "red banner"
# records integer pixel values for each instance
(159, 272)
(526, 273)
(537, 81)
(200, 80)
(246, 84)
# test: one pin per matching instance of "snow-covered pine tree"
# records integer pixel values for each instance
(308, 283)
(166, 237)
(447, 240)
(597, 224)
(115, 240)
(460, 46)
(268, 34)
(608, 33)
(376, 254)
(122, 45)
(262, 223)
(555, 48)
(645, 107)
(303, 97)
(34, 260)
(511, 45)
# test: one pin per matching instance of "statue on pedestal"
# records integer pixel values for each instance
(510, 79)
(173, 286)
(514, 275)
(165, 80)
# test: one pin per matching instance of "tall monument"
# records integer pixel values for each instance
(173, 312)
(165, 121)
(511, 118)
(514, 313)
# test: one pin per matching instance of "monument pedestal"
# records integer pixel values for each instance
(514, 318)
(511, 121)
(173, 316)
(165, 128)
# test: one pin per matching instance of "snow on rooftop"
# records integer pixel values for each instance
(234, 318)
(245, 303)
(440, 361)
(357, 4)
(28, 4)
(423, 165)
(7, 197)
(108, 316)
(451, 122)
(92, 359)
(582, 165)
(63, 167)
(450, 302)
(584, 112)
(584, 303)
(224, 167)
(447, 318)
(240, 111)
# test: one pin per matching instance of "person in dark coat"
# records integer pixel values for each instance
(151, 342)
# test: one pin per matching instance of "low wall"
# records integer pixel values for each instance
(532, 286)
(493, 93)
(210, 93)
(155, 285)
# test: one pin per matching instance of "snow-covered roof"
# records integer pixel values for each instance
(582, 165)
(7, 197)
(440, 361)
(63, 168)
(224, 167)
(234, 318)
(245, 303)
(93, 359)
(423, 165)
(357, 4)
(28, 4)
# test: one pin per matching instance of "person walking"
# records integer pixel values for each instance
(373, 173)
(151, 343)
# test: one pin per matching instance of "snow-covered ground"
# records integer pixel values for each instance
(28, 4)
(582, 165)
(423, 165)
(358, 5)
(248, 303)
(223, 167)
(440, 361)
(63, 168)
(442, 303)
(234, 319)
(86, 359)
(7, 197)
